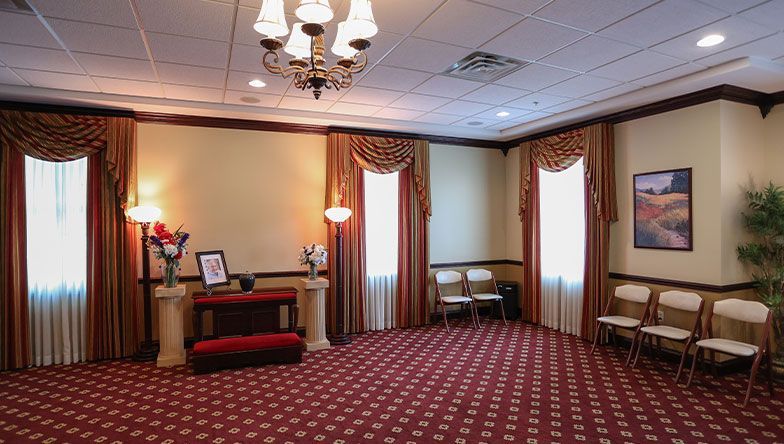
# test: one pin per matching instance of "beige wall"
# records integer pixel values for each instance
(774, 145)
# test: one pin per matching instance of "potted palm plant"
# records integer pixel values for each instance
(765, 255)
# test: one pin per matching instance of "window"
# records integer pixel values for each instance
(381, 242)
(56, 194)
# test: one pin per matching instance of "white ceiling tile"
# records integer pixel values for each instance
(662, 21)
(370, 96)
(524, 7)
(669, 74)
(107, 12)
(188, 50)
(532, 39)
(393, 78)
(193, 93)
(495, 94)
(8, 77)
(191, 75)
(475, 122)
(193, 18)
(444, 86)
(500, 126)
(534, 77)
(589, 53)
(326, 94)
(439, 119)
(398, 114)
(354, 109)
(38, 58)
(591, 15)
(118, 67)
(250, 99)
(398, 16)
(129, 87)
(302, 104)
(567, 106)
(276, 85)
(463, 108)
(100, 39)
(641, 64)
(491, 114)
(380, 45)
(425, 55)
(736, 31)
(769, 47)
(419, 102)
(243, 29)
(537, 101)
(248, 58)
(532, 116)
(733, 6)
(57, 80)
(580, 86)
(612, 92)
(465, 23)
(25, 29)
(770, 14)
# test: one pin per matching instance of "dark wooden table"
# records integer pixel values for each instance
(237, 314)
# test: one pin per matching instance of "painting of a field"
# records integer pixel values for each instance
(662, 210)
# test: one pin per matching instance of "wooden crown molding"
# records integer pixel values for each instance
(683, 284)
(64, 109)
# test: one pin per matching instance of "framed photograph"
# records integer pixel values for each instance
(212, 268)
(662, 210)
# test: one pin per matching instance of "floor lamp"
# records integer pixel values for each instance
(338, 215)
(144, 215)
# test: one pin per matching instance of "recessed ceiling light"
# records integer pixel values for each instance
(256, 83)
(248, 99)
(474, 123)
(502, 114)
(711, 40)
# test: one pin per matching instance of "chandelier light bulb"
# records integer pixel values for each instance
(314, 11)
(360, 22)
(299, 42)
(272, 19)
(341, 47)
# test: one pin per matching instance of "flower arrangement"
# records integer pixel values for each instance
(313, 255)
(170, 248)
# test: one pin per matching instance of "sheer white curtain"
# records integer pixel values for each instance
(562, 212)
(381, 239)
(57, 259)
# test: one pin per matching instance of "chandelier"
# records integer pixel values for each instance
(306, 43)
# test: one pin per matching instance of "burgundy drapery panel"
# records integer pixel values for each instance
(557, 153)
(347, 156)
(111, 270)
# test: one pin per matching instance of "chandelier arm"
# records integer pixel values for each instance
(357, 67)
(275, 68)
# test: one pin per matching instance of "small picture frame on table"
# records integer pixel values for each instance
(213, 269)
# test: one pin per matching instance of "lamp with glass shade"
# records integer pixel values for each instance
(272, 19)
(144, 215)
(338, 215)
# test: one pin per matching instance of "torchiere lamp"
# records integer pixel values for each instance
(144, 215)
(338, 215)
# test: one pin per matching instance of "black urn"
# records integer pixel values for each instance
(247, 281)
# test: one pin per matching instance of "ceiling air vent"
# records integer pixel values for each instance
(15, 5)
(483, 67)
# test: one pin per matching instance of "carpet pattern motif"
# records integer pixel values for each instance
(515, 383)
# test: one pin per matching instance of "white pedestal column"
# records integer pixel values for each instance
(315, 327)
(170, 325)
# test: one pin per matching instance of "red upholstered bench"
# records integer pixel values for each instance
(246, 351)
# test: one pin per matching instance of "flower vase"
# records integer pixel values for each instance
(313, 272)
(170, 274)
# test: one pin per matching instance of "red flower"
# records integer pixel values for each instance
(165, 237)
(159, 228)
(179, 255)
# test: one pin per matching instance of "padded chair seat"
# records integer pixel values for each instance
(619, 321)
(666, 331)
(487, 297)
(455, 299)
(729, 346)
(246, 343)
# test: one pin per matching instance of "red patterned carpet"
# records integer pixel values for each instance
(517, 384)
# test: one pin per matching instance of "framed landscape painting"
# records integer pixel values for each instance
(662, 210)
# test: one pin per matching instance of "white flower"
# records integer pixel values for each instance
(170, 250)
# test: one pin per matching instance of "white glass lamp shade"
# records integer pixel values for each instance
(360, 22)
(299, 42)
(144, 214)
(341, 47)
(314, 11)
(272, 19)
(338, 214)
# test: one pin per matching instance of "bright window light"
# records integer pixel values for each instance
(381, 213)
(562, 216)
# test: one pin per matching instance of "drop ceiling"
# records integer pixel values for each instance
(582, 58)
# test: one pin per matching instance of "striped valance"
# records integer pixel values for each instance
(53, 137)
